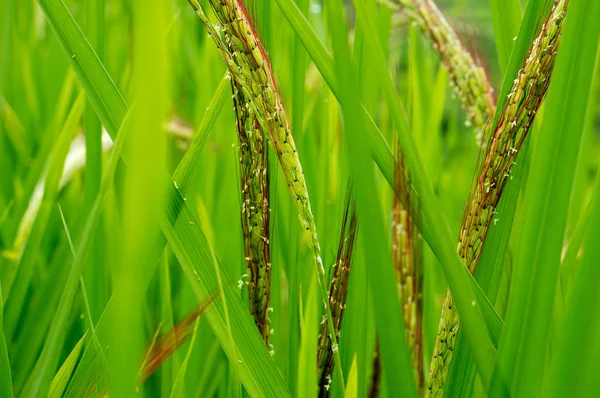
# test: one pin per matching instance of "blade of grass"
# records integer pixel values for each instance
(506, 15)
(143, 195)
(352, 388)
(572, 369)
(4, 49)
(61, 379)
(533, 18)
(39, 379)
(358, 338)
(427, 96)
(186, 169)
(178, 385)
(307, 371)
(6, 388)
(37, 168)
(66, 370)
(37, 319)
(94, 274)
(93, 127)
(100, 89)
(394, 353)
(169, 368)
(17, 291)
(213, 353)
(163, 346)
(15, 132)
(298, 78)
(569, 261)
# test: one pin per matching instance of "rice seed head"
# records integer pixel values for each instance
(518, 113)
(469, 80)
(408, 261)
(337, 293)
(242, 50)
(255, 212)
(250, 67)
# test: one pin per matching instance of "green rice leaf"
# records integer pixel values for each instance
(307, 370)
(178, 385)
(506, 15)
(534, 16)
(60, 380)
(6, 388)
(372, 234)
(352, 387)
(39, 380)
(20, 276)
(572, 368)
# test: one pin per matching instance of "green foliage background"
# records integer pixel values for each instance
(117, 252)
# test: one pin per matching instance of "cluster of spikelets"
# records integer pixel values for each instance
(337, 293)
(517, 116)
(407, 253)
(469, 79)
(248, 62)
(255, 213)
(250, 67)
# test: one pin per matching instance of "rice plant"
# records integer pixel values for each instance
(283, 198)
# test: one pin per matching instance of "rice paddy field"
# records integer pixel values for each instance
(343, 198)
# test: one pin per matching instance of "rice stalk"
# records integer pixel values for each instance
(255, 213)
(518, 113)
(469, 79)
(408, 263)
(250, 67)
(407, 253)
(337, 293)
